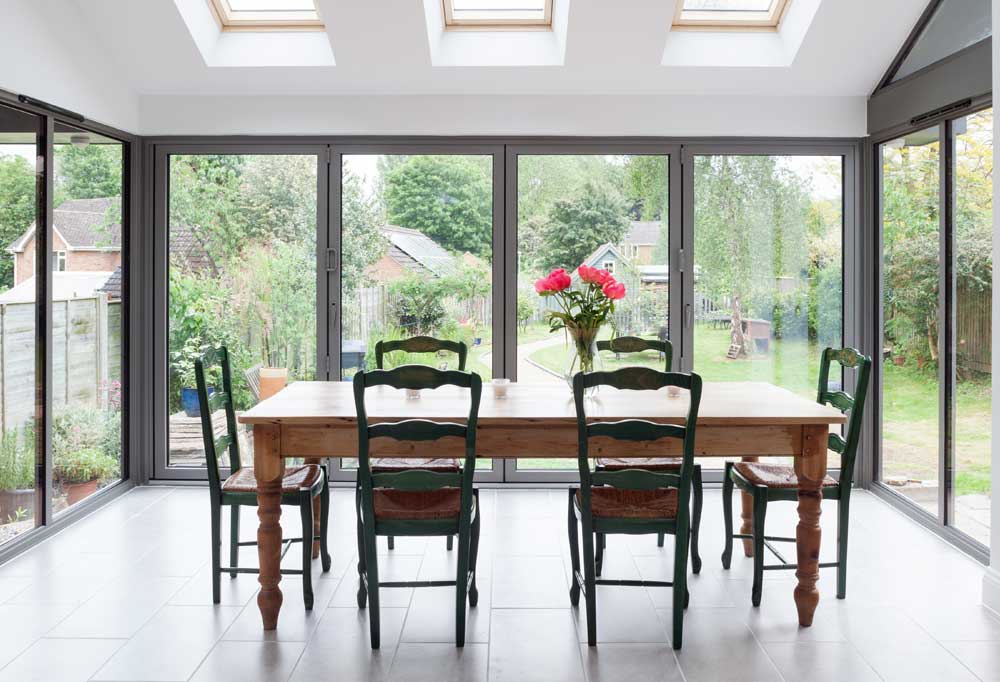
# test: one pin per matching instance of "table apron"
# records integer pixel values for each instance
(537, 441)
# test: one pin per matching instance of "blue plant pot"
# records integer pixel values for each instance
(189, 401)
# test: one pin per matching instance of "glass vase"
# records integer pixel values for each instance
(582, 355)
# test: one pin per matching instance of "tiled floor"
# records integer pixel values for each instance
(125, 594)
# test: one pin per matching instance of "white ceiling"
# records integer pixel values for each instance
(612, 47)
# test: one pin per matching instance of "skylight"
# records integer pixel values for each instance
(729, 15)
(266, 15)
(494, 14)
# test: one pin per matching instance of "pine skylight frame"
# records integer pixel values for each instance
(275, 20)
(735, 20)
(493, 24)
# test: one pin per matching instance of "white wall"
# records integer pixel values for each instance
(991, 582)
(48, 52)
(653, 115)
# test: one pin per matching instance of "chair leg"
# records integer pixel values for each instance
(306, 512)
(759, 510)
(391, 541)
(843, 514)
(234, 539)
(362, 592)
(660, 537)
(462, 578)
(217, 551)
(324, 527)
(371, 572)
(450, 542)
(599, 559)
(727, 514)
(681, 595)
(590, 581)
(574, 551)
(474, 552)
(698, 494)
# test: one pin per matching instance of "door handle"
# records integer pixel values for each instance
(331, 260)
(688, 316)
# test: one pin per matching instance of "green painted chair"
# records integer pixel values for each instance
(417, 502)
(418, 344)
(777, 482)
(633, 344)
(631, 501)
(300, 486)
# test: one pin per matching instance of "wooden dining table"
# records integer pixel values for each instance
(747, 420)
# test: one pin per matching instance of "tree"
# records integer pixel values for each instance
(90, 172)
(205, 195)
(578, 225)
(362, 240)
(448, 198)
(17, 209)
(647, 185)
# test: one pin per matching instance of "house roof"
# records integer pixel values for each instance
(66, 285)
(188, 250)
(415, 251)
(113, 285)
(84, 224)
(644, 232)
(607, 247)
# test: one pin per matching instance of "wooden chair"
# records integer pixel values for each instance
(252, 375)
(417, 502)
(776, 482)
(633, 344)
(300, 486)
(632, 501)
(418, 344)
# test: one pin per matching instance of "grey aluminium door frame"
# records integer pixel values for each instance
(416, 148)
(852, 215)
(160, 189)
(582, 147)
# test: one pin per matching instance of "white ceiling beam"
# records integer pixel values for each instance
(376, 34)
(618, 33)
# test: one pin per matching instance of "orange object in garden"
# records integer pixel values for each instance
(272, 380)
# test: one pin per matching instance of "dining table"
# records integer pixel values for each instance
(745, 420)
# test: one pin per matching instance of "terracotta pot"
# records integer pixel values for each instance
(899, 360)
(79, 491)
(12, 500)
(272, 380)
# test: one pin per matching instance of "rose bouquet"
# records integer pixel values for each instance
(583, 310)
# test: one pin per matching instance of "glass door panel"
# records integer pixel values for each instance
(242, 272)
(606, 211)
(973, 237)
(21, 490)
(87, 300)
(768, 269)
(417, 259)
(911, 271)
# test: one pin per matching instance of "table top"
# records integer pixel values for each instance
(746, 403)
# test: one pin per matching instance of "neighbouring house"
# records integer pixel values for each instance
(411, 251)
(66, 286)
(86, 237)
(609, 257)
(641, 240)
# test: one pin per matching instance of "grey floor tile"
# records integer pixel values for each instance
(982, 658)
(12, 586)
(439, 663)
(631, 662)
(392, 568)
(171, 646)
(534, 644)
(719, 647)
(197, 591)
(22, 624)
(295, 624)
(624, 614)
(529, 582)
(820, 662)
(340, 648)
(119, 609)
(250, 662)
(60, 660)
(431, 617)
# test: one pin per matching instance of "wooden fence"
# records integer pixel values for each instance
(86, 355)
(973, 329)
(371, 308)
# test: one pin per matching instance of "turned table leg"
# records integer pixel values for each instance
(746, 514)
(269, 469)
(810, 468)
(316, 511)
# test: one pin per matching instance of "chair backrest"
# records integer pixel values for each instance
(637, 430)
(252, 375)
(212, 358)
(419, 377)
(634, 344)
(847, 358)
(421, 344)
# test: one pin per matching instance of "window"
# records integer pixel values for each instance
(954, 26)
(761, 15)
(266, 15)
(506, 14)
(59, 261)
(609, 265)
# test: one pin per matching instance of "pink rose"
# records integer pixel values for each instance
(544, 285)
(603, 277)
(593, 275)
(613, 290)
(559, 279)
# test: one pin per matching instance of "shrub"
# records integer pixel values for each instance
(17, 458)
(417, 303)
(81, 466)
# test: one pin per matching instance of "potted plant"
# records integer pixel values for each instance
(17, 473)
(182, 365)
(80, 471)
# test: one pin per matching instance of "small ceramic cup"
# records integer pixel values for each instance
(412, 393)
(500, 388)
(673, 391)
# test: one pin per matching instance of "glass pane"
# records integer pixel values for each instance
(498, 10)
(242, 273)
(973, 318)
(417, 240)
(272, 5)
(768, 282)
(955, 25)
(728, 5)
(86, 315)
(19, 489)
(910, 270)
(607, 212)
